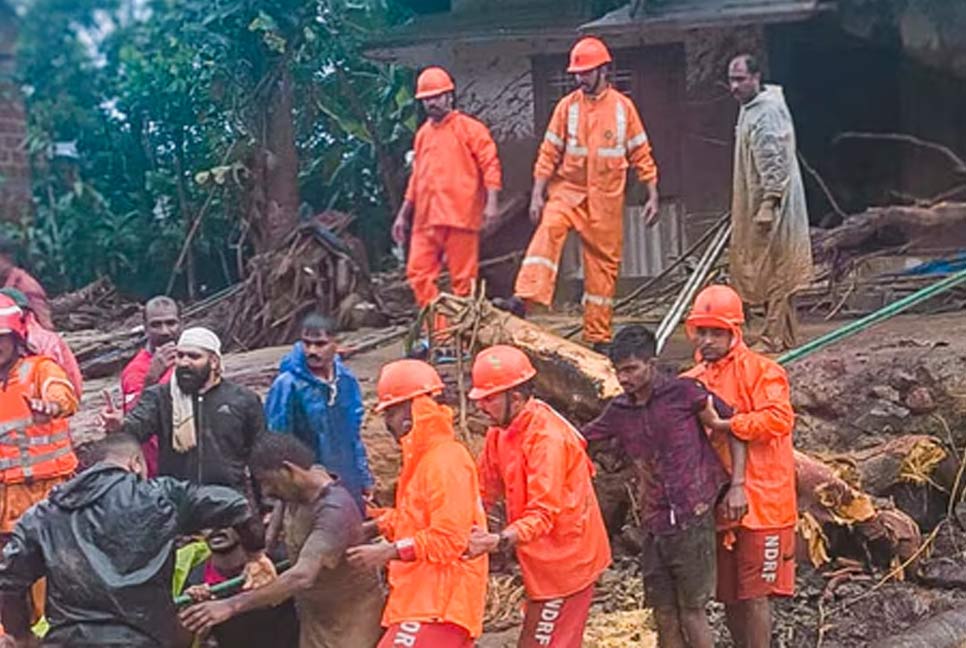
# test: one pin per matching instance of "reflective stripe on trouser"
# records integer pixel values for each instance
(537, 278)
(601, 244)
(600, 281)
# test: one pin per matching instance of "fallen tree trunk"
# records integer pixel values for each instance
(937, 227)
(945, 630)
(912, 458)
(101, 354)
(571, 377)
(915, 471)
(837, 519)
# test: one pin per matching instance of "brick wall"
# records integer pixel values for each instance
(14, 166)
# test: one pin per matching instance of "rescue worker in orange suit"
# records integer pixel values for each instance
(756, 556)
(594, 135)
(36, 399)
(537, 462)
(436, 598)
(454, 188)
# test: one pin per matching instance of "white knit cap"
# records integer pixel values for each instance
(200, 338)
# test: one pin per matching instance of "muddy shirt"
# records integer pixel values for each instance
(679, 474)
(344, 608)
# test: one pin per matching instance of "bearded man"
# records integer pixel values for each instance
(206, 426)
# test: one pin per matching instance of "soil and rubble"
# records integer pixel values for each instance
(881, 428)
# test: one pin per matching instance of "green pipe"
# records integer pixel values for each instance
(226, 586)
(871, 319)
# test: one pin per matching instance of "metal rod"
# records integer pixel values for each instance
(695, 282)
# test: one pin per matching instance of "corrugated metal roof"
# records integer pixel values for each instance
(563, 19)
(690, 14)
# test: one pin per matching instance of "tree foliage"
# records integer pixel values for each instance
(165, 103)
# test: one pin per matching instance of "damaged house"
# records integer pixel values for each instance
(848, 66)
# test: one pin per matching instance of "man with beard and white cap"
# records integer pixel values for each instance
(206, 426)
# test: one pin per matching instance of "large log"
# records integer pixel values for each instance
(570, 377)
(915, 471)
(923, 228)
(838, 519)
(102, 354)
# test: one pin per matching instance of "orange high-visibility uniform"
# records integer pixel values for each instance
(34, 457)
(757, 388)
(539, 465)
(589, 145)
(455, 163)
(437, 505)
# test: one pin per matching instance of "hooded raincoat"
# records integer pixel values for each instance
(105, 542)
(437, 505)
(757, 388)
(770, 265)
(539, 465)
(326, 416)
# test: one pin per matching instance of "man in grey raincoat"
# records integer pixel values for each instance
(771, 252)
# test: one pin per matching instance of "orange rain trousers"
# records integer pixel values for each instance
(437, 505)
(539, 466)
(601, 256)
(429, 247)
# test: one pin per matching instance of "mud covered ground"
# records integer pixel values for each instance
(903, 377)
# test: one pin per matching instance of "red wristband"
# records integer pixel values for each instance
(406, 549)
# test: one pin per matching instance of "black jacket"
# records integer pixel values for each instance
(229, 419)
(105, 542)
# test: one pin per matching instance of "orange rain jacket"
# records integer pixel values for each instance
(589, 145)
(757, 388)
(33, 456)
(539, 465)
(437, 504)
(31, 450)
(456, 162)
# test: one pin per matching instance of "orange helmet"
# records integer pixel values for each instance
(11, 318)
(433, 81)
(499, 368)
(589, 53)
(404, 380)
(716, 306)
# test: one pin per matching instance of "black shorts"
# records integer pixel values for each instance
(679, 568)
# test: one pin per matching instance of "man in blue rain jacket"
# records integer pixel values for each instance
(317, 398)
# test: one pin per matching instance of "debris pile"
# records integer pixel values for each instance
(315, 269)
(95, 306)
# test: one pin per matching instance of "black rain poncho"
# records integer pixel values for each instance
(105, 542)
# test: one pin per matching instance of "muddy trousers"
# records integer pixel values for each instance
(429, 248)
(780, 332)
(601, 242)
